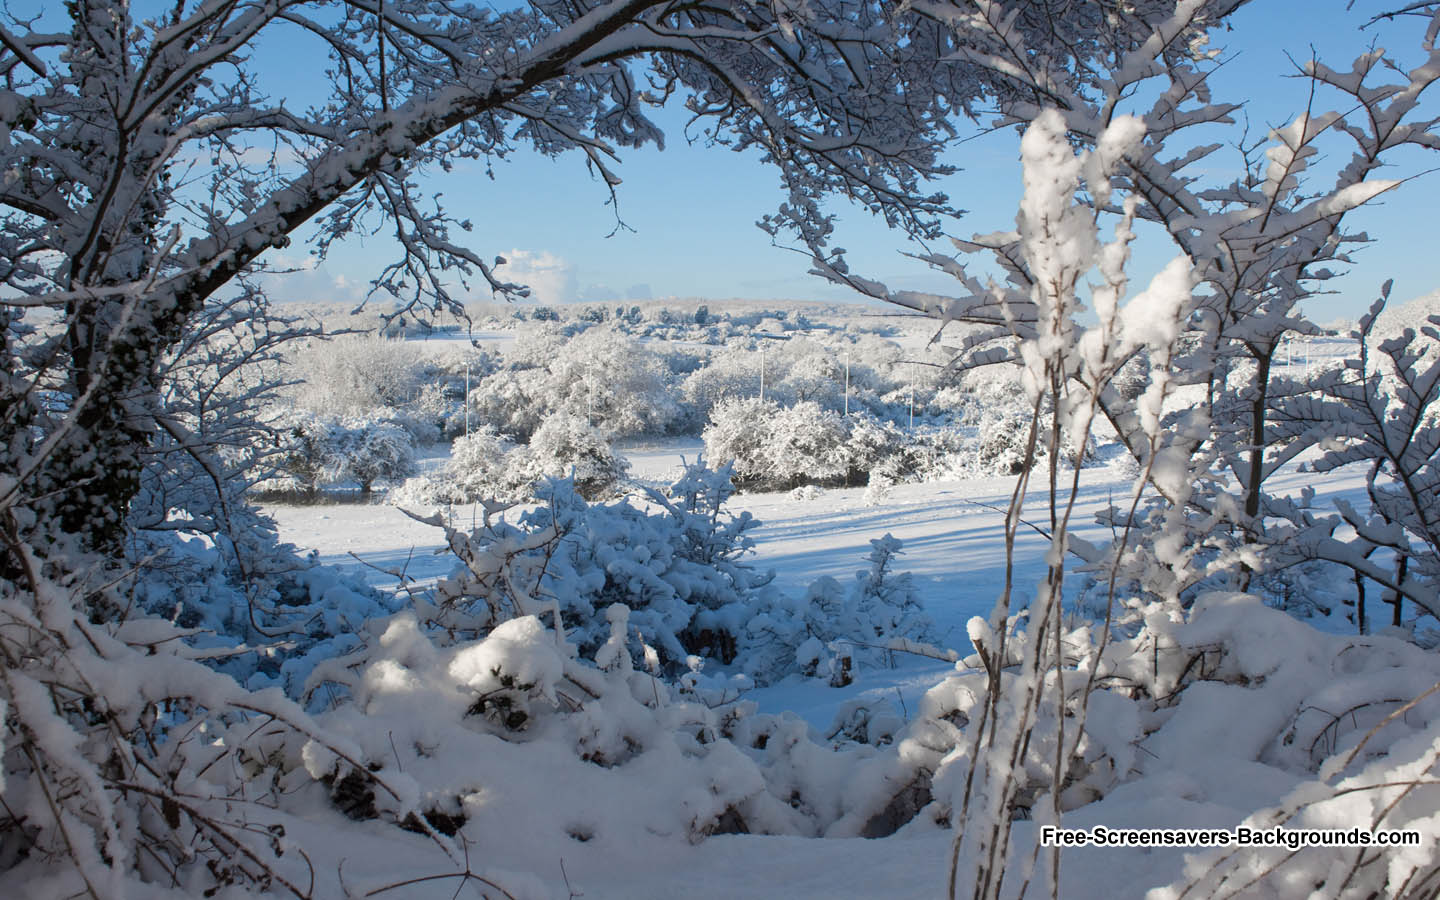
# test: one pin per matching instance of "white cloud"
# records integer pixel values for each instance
(551, 278)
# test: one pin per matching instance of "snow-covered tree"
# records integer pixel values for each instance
(1381, 413)
(357, 374)
(614, 383)
(100, 227)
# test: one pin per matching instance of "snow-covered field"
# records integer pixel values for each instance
(952, 533)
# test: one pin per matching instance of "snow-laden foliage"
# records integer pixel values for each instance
(320, 451)
(567, 446)
(776, 447)
(479, 468)
(864, 623)
(1260, 243)
(1201, 422)
(125, 757)
(369, 451)
(485, 467)
(523, 708)
(597, 375)
(678, 570)
(1338, 733)
(1381, 415)
(576, 559)
(356, 375)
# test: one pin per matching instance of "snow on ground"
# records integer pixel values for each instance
(442, 342)
(953, 536)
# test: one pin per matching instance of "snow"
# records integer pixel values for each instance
(613, 832)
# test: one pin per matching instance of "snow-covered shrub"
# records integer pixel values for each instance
(615, 383)
(833, 631)
(511, 400)
(1382, 411)
(478, 466)
(876, 448)
(877, 491)
(370, 450)
(996, 406)
(879, 607)
(730, 374)
(426, 415)
(936, 453)
(677, 570)
(773, 447)
(307, 460)
(810, 372)
(611, 381)
(525, 708)
(126, 758)
(355, 374)
(319, 451)
(565, 446)
(422, 493)
(739, 434)
(1003, 446)
(1339, 732)
(807, 444)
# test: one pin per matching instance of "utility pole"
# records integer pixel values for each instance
(912, 396)
(847, 382)
(762, 373)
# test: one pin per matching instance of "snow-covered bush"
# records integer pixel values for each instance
(423, 493)
(369, 450)
(477, 467)
(319, 451)
(876, 448)
(739, 435)
(609, 380)
(525, 708)
(1339, 733)
(511, 400)
(807, 443)
(156, 782)
(994, 404)
(677, 570)
(878, 608)
(565, 446)
(307, 460)
(732, 373)
(485, 466)
(615, 383)
(774, 448)
(357, 374)
(1381, 410)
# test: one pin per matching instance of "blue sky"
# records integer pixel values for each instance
(691, 210)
